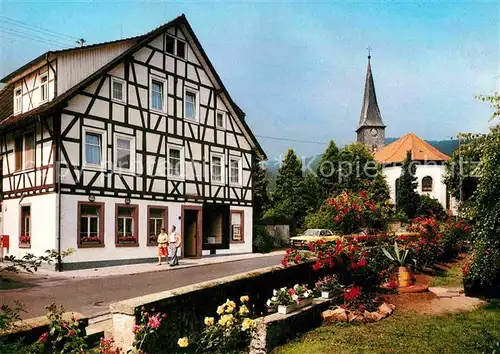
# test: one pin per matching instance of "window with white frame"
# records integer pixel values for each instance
(235, 170)
(44, 87)
(29, 150)
(124, 152)
(175, 46)
(118, 89)
(191, 107)
(175, 163)
(18, 100)
(217, 166)
(157, 94)
(95, 147)
(220, 119)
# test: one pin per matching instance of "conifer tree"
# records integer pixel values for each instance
(259, 189)
(327, 170)
(407, 199)
(379, 188)
(288, 197)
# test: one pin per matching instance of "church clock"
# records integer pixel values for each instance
(374, 132)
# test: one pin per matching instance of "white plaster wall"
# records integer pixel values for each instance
(43, 223)
(435, 171)
(69, 210)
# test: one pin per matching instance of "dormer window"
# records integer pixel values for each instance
(44, 87)
(18, 100)
(175, 46)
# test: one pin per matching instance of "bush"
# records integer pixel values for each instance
(482, 273)
(454, 235)
(263, 241)
(431, 207)
(322, 218)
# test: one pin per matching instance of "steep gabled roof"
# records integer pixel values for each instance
(370, 113)
(42, 58)
(62, 99)
(420, 151)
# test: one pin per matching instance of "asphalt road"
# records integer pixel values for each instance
(92, 296)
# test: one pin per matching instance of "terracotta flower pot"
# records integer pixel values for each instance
(405, 277)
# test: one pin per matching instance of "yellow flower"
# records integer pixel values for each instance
(230, 306)
(226, 320)
(183, 342)
(247, 323)
(209, 321)
(244, 298)
(220, 309)
(243, 310)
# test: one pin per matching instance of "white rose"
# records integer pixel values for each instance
(306, 294)
(296, 286)
(274, 298)
(295, 297)
(268, 303)
(275, 292)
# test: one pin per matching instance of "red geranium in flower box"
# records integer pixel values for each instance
(25, 239)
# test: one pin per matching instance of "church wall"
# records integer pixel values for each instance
(436, 172)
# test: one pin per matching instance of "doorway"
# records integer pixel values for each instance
(191, 231)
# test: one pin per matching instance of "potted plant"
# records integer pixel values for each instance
(289, 300)
(25, 240)
(91, 240)
(405, 277)
(328, 286)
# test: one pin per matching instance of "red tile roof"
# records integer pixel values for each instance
(420, 151)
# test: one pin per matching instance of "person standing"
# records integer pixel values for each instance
(162, 241)
(174, 243)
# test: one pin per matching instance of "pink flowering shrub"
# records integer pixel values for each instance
(146, 332)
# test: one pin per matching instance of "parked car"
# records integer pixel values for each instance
(311, 235)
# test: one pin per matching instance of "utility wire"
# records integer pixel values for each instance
(29, 38)
(35, 37)
(30, 27)
(292, 140)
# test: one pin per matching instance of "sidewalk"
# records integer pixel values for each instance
(151, 267)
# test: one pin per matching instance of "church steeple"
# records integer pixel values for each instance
(371, 129)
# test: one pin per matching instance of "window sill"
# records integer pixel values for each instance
(99, 168)
(116, 100)
(97, 245)
(124, 172)
(176, 178)
(236, 185)
(151, 244)
(161, 111)
(217, 183)
(25, 245)
(25, 170)
(126, 245)
(190, 120)
(233, 242)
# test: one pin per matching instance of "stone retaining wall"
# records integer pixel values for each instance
(186, 307)
(28, 331)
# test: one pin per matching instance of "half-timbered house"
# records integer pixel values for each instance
(103, 145)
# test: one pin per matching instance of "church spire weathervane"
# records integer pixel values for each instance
(369, 49)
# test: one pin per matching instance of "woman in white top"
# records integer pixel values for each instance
(174, 243)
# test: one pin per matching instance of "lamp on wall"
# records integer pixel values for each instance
(92, 198)
(127, 200)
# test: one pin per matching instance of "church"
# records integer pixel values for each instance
(430, 161)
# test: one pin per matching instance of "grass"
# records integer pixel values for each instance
(468, 332)
(452, 277)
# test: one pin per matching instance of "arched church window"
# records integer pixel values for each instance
(427, 184)
(374, 148)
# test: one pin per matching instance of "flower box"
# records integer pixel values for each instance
(284, 310)
(329, 294)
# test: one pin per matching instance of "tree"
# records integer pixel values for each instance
(407, 199)
(327, 170)
(288, 197)
(357, 168)
(482, 275)
(260, 194)
(313, 192)
(379, 188)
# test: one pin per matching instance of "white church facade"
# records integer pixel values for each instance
(429, 160)
(103, 145)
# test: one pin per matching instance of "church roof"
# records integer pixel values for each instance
(370, 113)
(420, 151)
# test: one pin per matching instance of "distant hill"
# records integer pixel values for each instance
(445, 146)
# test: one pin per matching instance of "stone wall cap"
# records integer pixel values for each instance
(128, 306)
(30, 323)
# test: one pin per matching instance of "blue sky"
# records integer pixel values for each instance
(297, 68)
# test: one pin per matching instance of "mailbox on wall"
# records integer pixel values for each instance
(4, 241)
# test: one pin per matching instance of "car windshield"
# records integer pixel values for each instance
(311, 232)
